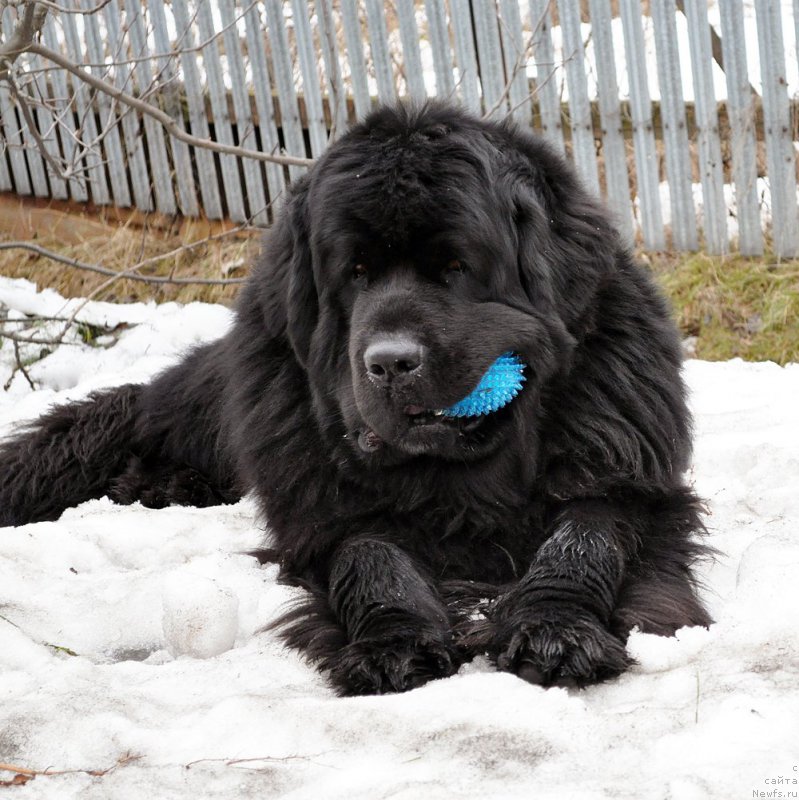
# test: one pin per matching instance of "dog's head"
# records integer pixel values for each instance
(422, 246)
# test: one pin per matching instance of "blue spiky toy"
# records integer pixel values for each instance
(496, 389)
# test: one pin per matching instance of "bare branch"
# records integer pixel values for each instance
(128, 274)
(66, 10)
(27, 27)
(20, 366)
(50, 341)
(97, 773)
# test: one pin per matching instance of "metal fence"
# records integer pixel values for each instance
(684, 117)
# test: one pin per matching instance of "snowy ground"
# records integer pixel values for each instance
(710, 714)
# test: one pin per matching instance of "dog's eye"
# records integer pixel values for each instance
(453, 267)
(360, 271)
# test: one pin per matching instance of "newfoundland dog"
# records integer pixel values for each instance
(424, 244)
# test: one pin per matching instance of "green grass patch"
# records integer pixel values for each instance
(734, 306)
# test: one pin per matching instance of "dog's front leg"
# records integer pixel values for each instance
(397, 626)
(552, 627)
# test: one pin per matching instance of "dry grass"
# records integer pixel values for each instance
(87, 236)
(734, 306)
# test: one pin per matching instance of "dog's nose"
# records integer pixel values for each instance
(395, 358)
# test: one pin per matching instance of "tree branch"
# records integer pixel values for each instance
(151, 111)
(28, 25)
(128, 274)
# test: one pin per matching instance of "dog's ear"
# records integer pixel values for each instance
(283, 279)
(302, 299)
(566, 240)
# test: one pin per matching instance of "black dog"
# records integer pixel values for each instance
(419, 248)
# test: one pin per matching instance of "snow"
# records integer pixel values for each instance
(176, 690)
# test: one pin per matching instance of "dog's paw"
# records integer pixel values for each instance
(397, 665)
(559, 647)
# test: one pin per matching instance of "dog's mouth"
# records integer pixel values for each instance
(422, 430)
(417, 415)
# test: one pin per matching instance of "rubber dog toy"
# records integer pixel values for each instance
(496, 389)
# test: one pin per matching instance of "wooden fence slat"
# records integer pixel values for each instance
(582, 127)
(160, 170)
(22, 144)
(546, 88)
(83, 100)
(515, 51)
(707, 125)
(255, 196)
(646, 162)
(796, 24)
(411, 57)
(5, 176)
(378, 46)
(284, 79)
(270, 143)
(311, 86)
(777, 124)
(337, 92)
(13, 138)
(63, 108)
(617, 182)
(36, 168)
(47, 126)
(170, 92)
(465, 56)
(5, 145)
(10, 127)
(136, 162)
(741, 112)
(489, 52)
(106, 110)
(223, 130)
(85, 123)
(351, 22)
(438, 33)
(198, 121)
(675, 131)
(28, 147)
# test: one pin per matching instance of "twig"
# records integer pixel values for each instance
(58, 647)
(32, 318)
(96, 773)
(229, 762)
(128, 274)
(65, 10)
(20, 365)
(18, 770)
(16, 337)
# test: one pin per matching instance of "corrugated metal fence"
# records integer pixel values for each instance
(684, 117)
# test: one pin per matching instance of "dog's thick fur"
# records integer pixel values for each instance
(539, 534)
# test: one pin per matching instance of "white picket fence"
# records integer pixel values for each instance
(684, 119)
